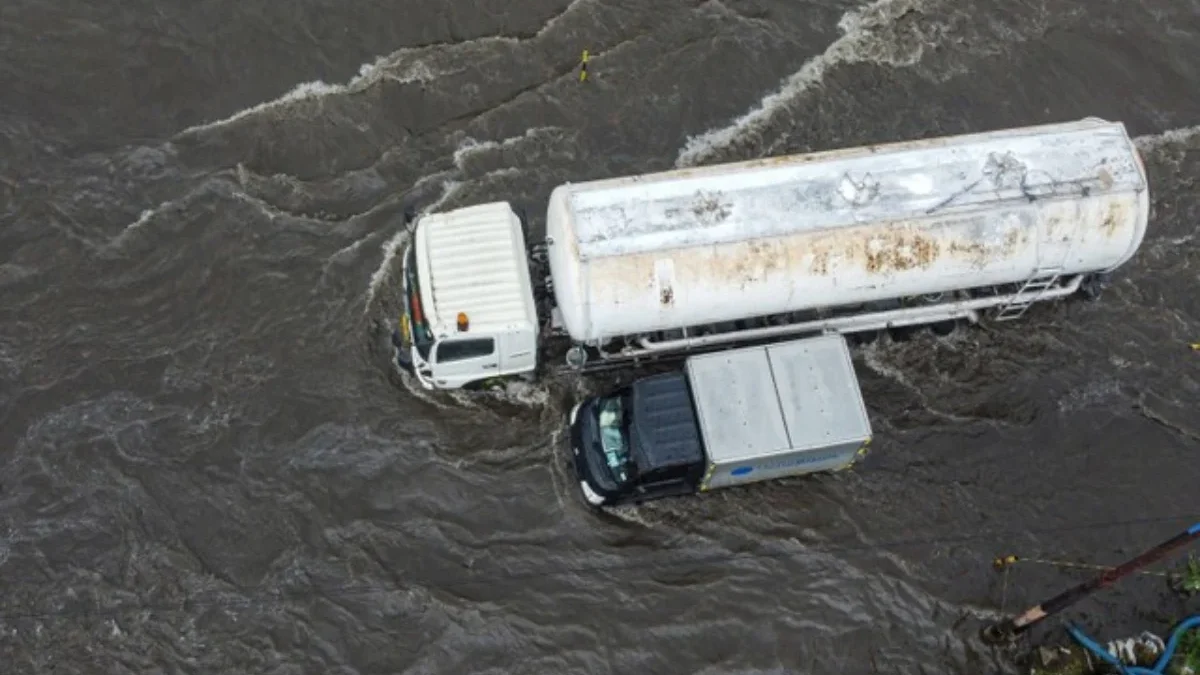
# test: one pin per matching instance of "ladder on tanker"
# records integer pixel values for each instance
(1035, 287)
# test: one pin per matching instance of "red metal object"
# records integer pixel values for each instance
(1010, 628)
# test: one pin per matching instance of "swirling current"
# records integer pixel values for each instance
(208, 463)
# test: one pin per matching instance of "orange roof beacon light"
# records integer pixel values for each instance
(462, 322)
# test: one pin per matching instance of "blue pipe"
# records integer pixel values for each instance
(1159, 666)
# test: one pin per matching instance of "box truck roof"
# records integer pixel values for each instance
(795, 395)
(475, 263)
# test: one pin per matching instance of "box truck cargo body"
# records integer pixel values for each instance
(727, 418)
(855, 240)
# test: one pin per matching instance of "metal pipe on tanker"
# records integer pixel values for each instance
(894, 317)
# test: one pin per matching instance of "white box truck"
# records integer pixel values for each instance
(855, 241)
(727, 418)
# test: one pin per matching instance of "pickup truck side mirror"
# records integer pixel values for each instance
(410, 217)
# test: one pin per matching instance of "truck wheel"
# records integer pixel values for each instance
(1092, 287)
(576, 356)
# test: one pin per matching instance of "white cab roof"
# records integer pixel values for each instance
(473, 260)
(760, 401)
(773, 197)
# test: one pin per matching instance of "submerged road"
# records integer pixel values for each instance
(207, 464)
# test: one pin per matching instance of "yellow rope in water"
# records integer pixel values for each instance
(1004, 562)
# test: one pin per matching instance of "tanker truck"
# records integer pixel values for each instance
(855, 241)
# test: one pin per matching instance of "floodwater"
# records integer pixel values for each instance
(207, 464)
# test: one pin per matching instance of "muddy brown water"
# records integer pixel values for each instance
(208, 466)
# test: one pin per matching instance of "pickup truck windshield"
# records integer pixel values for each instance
(422, 336)
(614, 436)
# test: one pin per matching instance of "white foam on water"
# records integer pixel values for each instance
(449, 189)
(147, 214)
(368, 74)
(348, 250)
(517, 392)
(1152, 142)
(382, 273)
(410, 64)
(860, 42)
(874, 356)
(635, 515)
(532, 394)
(470, 146)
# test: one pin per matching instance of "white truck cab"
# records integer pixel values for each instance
(469, 313)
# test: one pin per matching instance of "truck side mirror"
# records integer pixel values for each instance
(410, 217)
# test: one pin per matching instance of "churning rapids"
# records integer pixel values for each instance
(207, 464)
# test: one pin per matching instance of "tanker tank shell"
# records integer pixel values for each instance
(697, 246)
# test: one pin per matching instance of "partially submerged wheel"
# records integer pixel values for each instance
(1093, 286)
(576, 356)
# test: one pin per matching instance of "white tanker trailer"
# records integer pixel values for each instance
(851, 241)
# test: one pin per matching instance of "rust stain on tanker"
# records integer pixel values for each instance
(820, 262)
(755, 260)
(1114, 217)
(899, 251)
(880, 253)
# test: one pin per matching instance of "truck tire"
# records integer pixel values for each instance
(576, 356)
(1092, 287)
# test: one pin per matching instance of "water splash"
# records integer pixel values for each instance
(1152, 142)
(863, 39)
(390, 68)
(406, 65)
(383, 273)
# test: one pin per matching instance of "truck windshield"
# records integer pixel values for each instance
(422, 336)
(614, 436)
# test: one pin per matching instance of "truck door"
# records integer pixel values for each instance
(667, 482)
(460, 360)
(518, 352)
